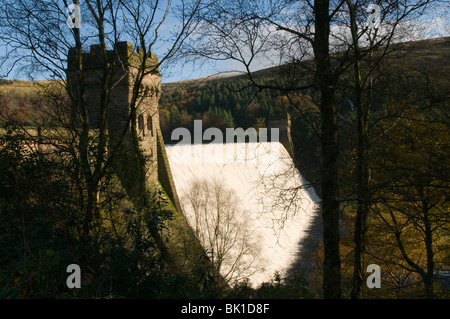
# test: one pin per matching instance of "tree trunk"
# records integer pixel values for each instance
(362, 169)
(92, 212)
(362, 175)
(428, 279)
(329, 142)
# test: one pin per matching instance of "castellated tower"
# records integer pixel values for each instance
(122, 122)
(137, 131)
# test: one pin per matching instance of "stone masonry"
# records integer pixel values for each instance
(146, 119)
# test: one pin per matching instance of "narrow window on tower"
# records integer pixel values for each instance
(141, 123)
(150, 124)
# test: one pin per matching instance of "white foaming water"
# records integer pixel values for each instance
(278, 205)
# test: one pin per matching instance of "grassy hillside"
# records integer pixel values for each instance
(21, 88)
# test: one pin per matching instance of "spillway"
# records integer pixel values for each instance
(273, 207)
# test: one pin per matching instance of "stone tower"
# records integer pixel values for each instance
(123, 123)
(284, 127)
(183, 252)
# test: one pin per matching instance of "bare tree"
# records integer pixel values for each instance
(411, 187)
(411, 210)
(371, 44)
(223, 229)
(327, 37)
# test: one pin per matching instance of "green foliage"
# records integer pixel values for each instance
(3, 81)
(41, 219)
(277, 288)
(220, 103)
(408, 148)
(33, 201)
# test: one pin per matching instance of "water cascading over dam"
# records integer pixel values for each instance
(244, 202)
(270, 215)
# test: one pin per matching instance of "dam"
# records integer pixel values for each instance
(272, 206)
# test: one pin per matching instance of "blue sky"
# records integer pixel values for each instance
(436, 24)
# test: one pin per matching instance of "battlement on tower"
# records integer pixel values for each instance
(123, 53)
